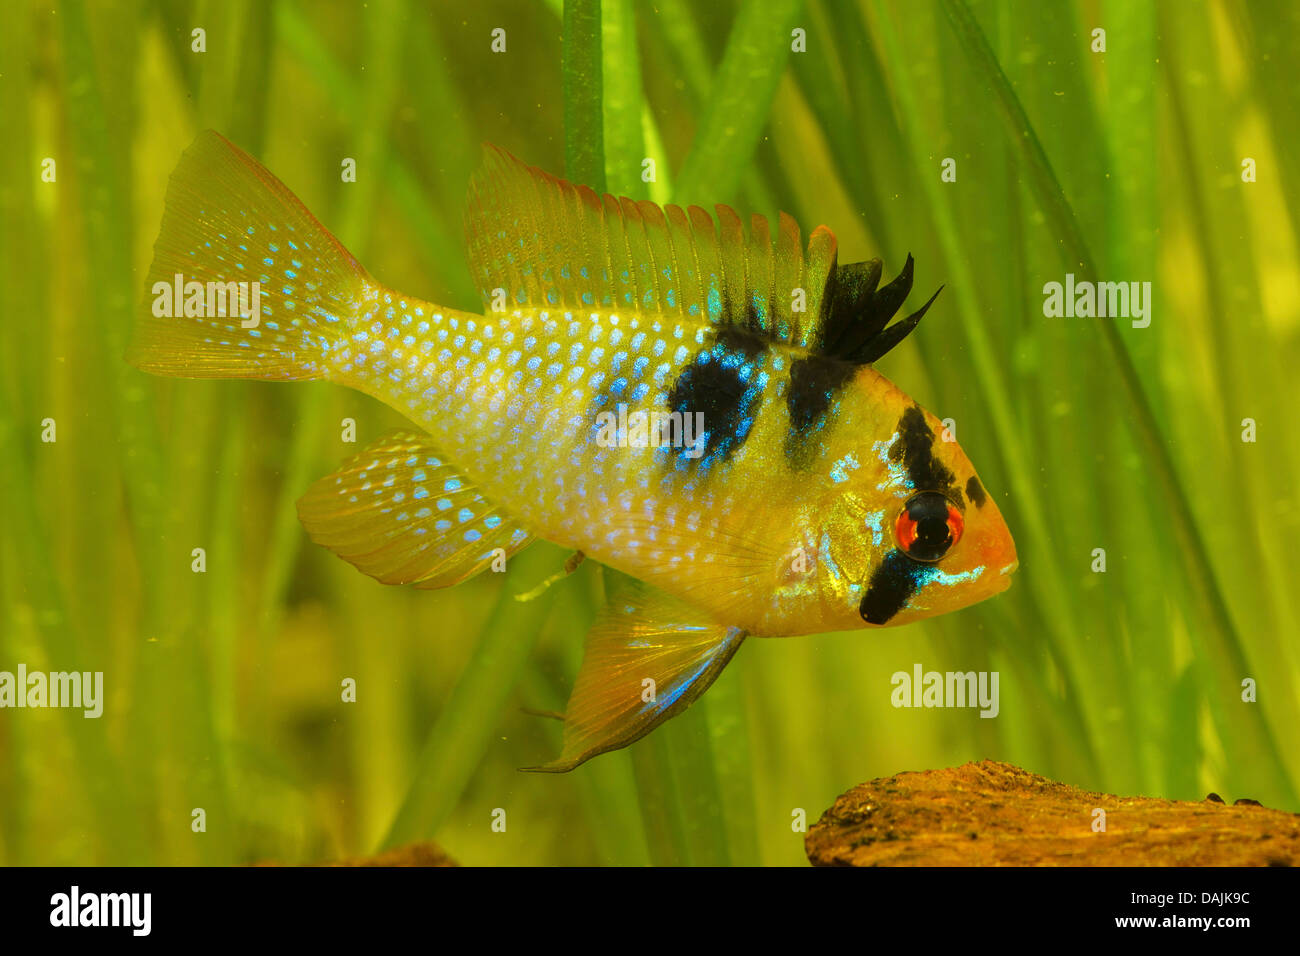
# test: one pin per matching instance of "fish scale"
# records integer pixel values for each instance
(521, 396)
(815, 496)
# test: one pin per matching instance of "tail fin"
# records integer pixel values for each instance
(245, 283)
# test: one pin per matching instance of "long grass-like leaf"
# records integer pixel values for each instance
(739, 101)
(461, 735)
(584, 126)
(1204, 589)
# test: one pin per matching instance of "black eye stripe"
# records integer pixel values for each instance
(915, 449)
(892, 583)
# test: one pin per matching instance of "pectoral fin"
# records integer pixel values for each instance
(648, 657)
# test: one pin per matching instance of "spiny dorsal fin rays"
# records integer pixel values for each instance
(543, 242)
(821, 261)
(759, 306)
(788, 268)
(895, 333)
(888, 298)
(683, 246)
(856, 327)
(731, 245)
(852, 287)
(547, 243)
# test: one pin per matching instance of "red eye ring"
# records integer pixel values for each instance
(928, 526)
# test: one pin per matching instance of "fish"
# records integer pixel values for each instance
(684, 398)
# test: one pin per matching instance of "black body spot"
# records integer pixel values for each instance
(915, 448)
(891, 585)
(975, 492)
(725, 383)
(815, 382)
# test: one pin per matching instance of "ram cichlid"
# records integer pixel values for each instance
(683, 399)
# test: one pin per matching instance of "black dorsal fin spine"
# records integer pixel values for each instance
(894, 334)
(857, 328)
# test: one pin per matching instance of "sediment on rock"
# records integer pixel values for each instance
(995, 814)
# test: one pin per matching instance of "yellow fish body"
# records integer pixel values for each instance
(686, 401)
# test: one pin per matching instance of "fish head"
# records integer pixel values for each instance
(908, 529)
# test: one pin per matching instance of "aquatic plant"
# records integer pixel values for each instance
(1164, 158)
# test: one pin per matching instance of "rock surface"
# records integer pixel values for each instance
(995, 814)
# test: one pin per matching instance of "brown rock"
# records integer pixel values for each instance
(995, 814)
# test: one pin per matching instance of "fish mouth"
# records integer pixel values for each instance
(1003, 579)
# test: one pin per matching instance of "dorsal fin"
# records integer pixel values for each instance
(855, 327)
(543, 242)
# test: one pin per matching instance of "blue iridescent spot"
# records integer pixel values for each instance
(840, 470)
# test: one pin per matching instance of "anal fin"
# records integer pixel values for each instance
(402, 514)
(648, 657)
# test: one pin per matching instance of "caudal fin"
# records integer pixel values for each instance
(245, 283)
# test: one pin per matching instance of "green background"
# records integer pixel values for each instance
(223, 688)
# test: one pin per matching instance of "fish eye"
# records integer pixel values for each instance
(928, 526)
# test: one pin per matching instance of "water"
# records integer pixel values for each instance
(1102, 440)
